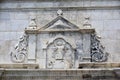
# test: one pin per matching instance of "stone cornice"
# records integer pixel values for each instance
(84, 30)
(49, 0)
(63, 8)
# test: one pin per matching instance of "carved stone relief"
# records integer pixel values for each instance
(60, 55)
(79, 50)
(64, 45)
(19, 53)
(98, 53)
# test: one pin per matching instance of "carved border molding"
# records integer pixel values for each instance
(83, 30)
(63, 8)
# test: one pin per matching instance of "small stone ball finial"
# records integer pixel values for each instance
(59, 12)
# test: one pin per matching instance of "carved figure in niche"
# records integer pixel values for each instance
(59, 50)
(60, 55)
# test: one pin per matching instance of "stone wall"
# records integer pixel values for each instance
(84, 74)
(104, 15)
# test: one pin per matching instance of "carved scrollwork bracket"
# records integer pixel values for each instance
(98, 53)
(19, 53)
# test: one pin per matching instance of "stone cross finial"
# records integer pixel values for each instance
(59, 12)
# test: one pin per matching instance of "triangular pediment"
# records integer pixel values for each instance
(59, 23)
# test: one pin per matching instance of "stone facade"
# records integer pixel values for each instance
(59, 45)
(80, 44)
(86, 74)
(104, 17)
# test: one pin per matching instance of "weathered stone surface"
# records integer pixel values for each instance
(59, 45)
(81, 74)
(104, 17)
(19, 66)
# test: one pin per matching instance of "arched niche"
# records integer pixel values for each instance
(60, 54)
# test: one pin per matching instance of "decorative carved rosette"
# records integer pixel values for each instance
(19, 53)
(98, 53)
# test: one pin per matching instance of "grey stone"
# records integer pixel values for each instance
(21, 15)
(4, 16)
(108, 34)
(15, 16)
(116, 14)
(19, 25)
(85, 74)
(111, 24)
(2, 25)
(57, 45)
(8, 5)
(87, 3)
(107, 14)
(97, 24)
(118, 34)
(32, 49)
(96, 15)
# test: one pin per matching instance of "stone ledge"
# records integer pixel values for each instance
(84, 30)
(80, 74)
(99, 65)
(19, 66)
(83, 65)
(63, 8)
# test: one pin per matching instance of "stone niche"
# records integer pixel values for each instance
(58, 45)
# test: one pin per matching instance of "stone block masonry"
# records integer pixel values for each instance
(104, 17)
(15, 15)
(81, 74)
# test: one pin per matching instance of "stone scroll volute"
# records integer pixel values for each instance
(19, 53)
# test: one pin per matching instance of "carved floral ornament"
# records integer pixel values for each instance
(98, 54)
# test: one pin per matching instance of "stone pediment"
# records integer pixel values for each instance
(59, 23)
